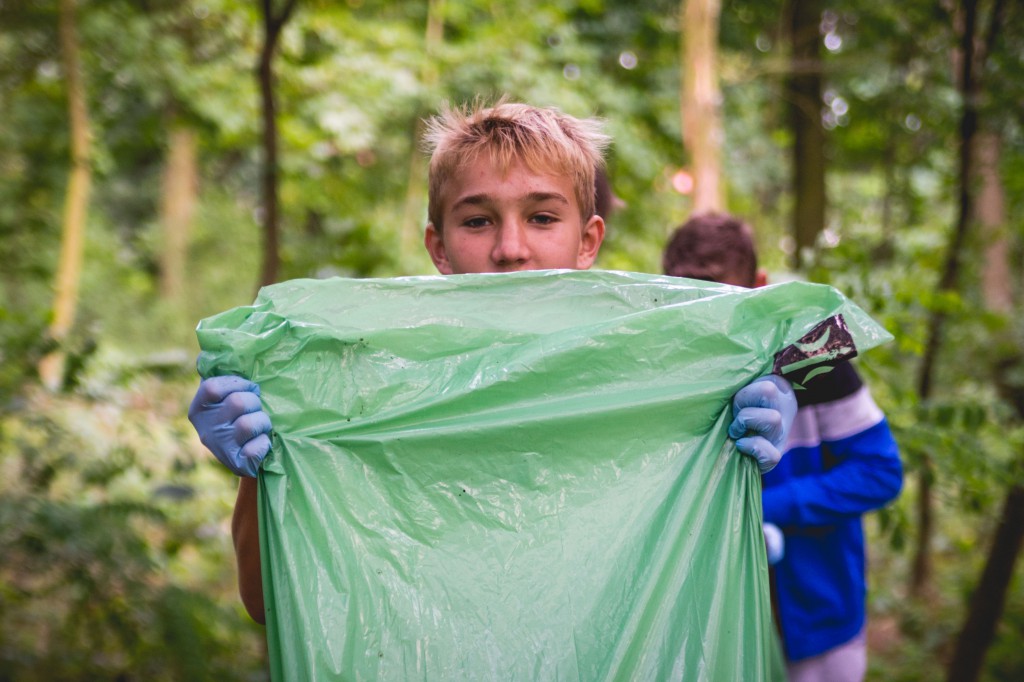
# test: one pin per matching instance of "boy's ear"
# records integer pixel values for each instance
(760, 278)
(590, 242)
(434, 242)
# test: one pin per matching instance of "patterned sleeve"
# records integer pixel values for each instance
(841, 459)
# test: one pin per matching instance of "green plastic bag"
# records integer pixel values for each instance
(516, 476)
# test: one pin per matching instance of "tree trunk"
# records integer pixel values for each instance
(996, 276)
(989, 598)
(969, 64)
(177, 207)
(76, 202)
(411, 225)
(891, 185)
(921, 564)
(272, 25)
(921, 573)
(701, 101)
(803, 97)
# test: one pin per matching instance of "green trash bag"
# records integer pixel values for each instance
(518, 476)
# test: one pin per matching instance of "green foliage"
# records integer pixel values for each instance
(116, 561)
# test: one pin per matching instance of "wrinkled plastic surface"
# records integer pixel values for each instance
(514, 477)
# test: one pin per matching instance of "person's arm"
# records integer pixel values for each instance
(229, 418)
(246, 534)
(863, 473)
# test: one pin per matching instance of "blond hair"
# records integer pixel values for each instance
(545, 140)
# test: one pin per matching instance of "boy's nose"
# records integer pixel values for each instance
(511, 246)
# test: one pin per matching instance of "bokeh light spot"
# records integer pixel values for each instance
(682, 182)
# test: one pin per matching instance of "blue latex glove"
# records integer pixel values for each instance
(763, 412)
(774, 542)
(229, 418)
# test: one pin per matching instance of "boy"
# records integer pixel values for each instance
(841, 461)
(511, 188)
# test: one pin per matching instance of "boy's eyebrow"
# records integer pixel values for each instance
(548, 196)
(478, 199)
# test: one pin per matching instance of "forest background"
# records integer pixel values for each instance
(160, 159)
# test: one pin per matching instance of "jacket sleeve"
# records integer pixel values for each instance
(841, 461)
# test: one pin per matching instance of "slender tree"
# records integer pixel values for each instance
(416, 184)
(996, 277)
(76, 202)
(273, 23)
(989, 598)
(701, 101)
(179, 189)
(178, 201)
(803, 99)
(971, 63)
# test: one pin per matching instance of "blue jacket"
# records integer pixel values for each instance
(841, 461)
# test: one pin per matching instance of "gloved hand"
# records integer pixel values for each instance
(774, 542)
(763, 412)
(229, 418)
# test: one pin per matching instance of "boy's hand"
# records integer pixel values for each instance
(774, 543)
(763, 412)
(229, 418)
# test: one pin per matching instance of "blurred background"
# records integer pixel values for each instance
(160, 160)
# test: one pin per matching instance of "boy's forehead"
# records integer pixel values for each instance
(488, 176)
(502, 165)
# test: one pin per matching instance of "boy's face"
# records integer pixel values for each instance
(518, 221)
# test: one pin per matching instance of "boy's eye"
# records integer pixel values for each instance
(544, 219)
(477, 221)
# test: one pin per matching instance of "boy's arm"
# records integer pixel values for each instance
(868, 475)
(245, 532)
(229, 418)
(860, 464)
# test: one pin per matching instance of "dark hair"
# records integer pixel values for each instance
(714, 247)
(604, 198)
